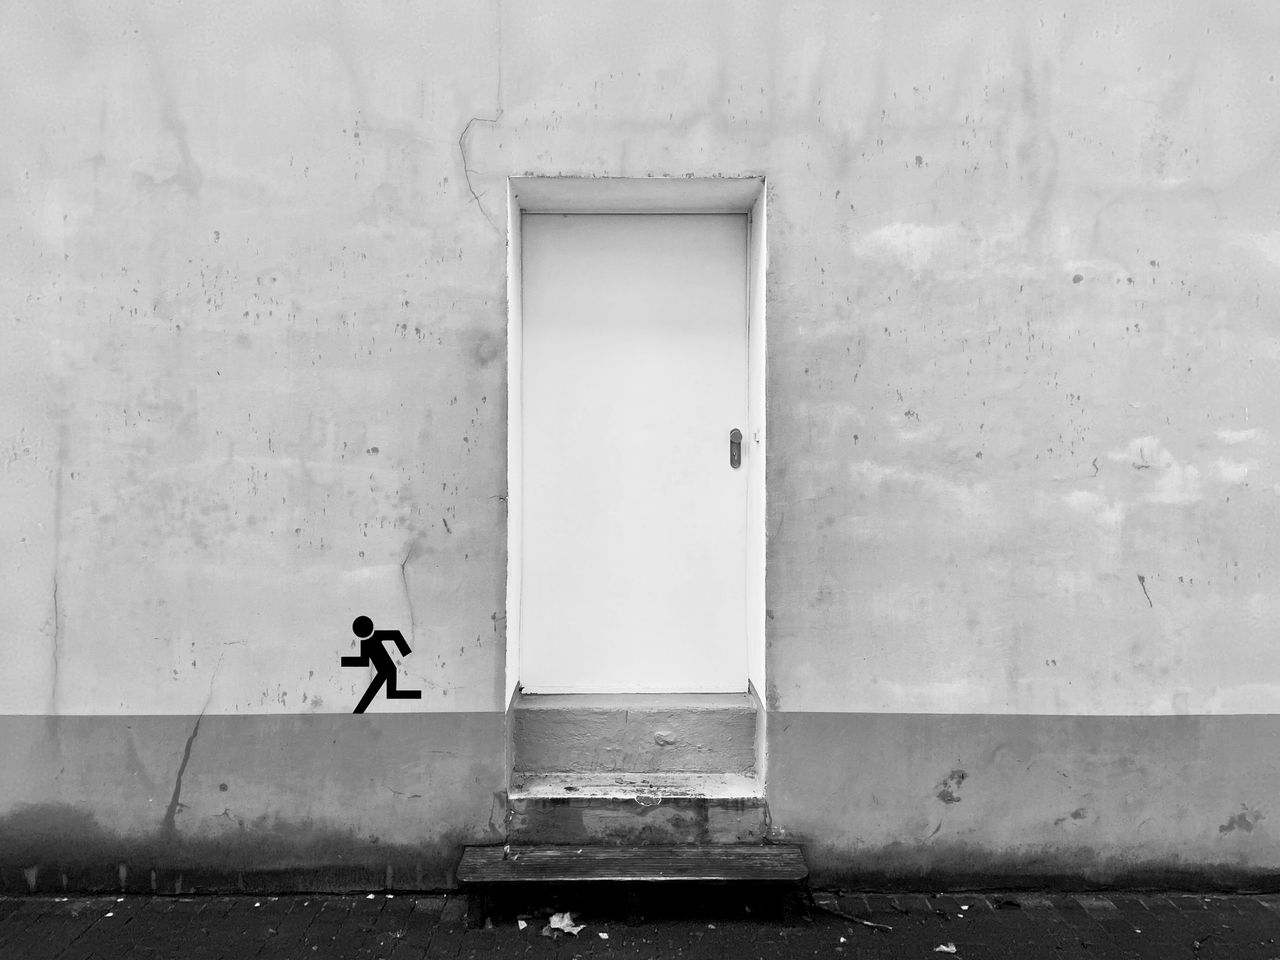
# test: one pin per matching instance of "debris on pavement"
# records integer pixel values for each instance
(562, 923)
(1042, 925)
(829, 905)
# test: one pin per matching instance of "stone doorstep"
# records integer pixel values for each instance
(570, 863)
(651, 734)
(640, 787)
(635, 769)
(673, 808)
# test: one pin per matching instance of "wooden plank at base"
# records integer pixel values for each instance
(775, 862)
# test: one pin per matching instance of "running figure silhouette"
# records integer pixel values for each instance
(372, 651)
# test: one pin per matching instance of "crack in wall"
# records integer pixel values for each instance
(1142, 582)
(169, 827)
(56, 652)
(462, 137)
(408, 597)
(466, 170)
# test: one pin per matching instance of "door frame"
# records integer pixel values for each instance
(653, 195)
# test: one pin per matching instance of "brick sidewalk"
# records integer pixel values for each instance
(1017, 926)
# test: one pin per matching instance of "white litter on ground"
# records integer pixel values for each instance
(564, 922)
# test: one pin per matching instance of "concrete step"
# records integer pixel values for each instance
(640, 787)
(538, 814)
(641, 733)
(526, 863)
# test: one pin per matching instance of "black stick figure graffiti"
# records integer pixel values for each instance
(384, 668)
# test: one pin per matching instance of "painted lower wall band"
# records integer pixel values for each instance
(341, 802)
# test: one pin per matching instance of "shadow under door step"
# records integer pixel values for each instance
(567, 863)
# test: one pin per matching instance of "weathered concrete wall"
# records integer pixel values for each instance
(256, 332)
(1024, 273)
(317, 801)
(963, 799)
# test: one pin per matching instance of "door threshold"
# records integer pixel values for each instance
(684, 702)
(627, 785)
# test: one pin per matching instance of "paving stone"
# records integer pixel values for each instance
(1189, 904)
(977, 904)
(1096, 907)
(406, 951)
(912, 903)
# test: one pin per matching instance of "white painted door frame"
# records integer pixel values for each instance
(648, 195)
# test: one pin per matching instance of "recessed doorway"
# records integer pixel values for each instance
(636, 436)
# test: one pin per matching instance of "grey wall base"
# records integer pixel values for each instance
(336, 802)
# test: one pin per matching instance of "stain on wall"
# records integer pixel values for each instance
(949, 788)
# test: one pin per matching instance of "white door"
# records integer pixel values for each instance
(634, 374)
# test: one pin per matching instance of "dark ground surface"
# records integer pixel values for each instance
(674, 923)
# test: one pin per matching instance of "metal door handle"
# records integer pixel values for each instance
(735, 448)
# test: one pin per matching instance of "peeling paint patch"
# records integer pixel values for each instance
(973, 501)
(500, 814)
(1231, 471)
(1179, 484)
(1238, 436)
(1097, 507)
(915, 244)
(1267, 244)
(1174, 481)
